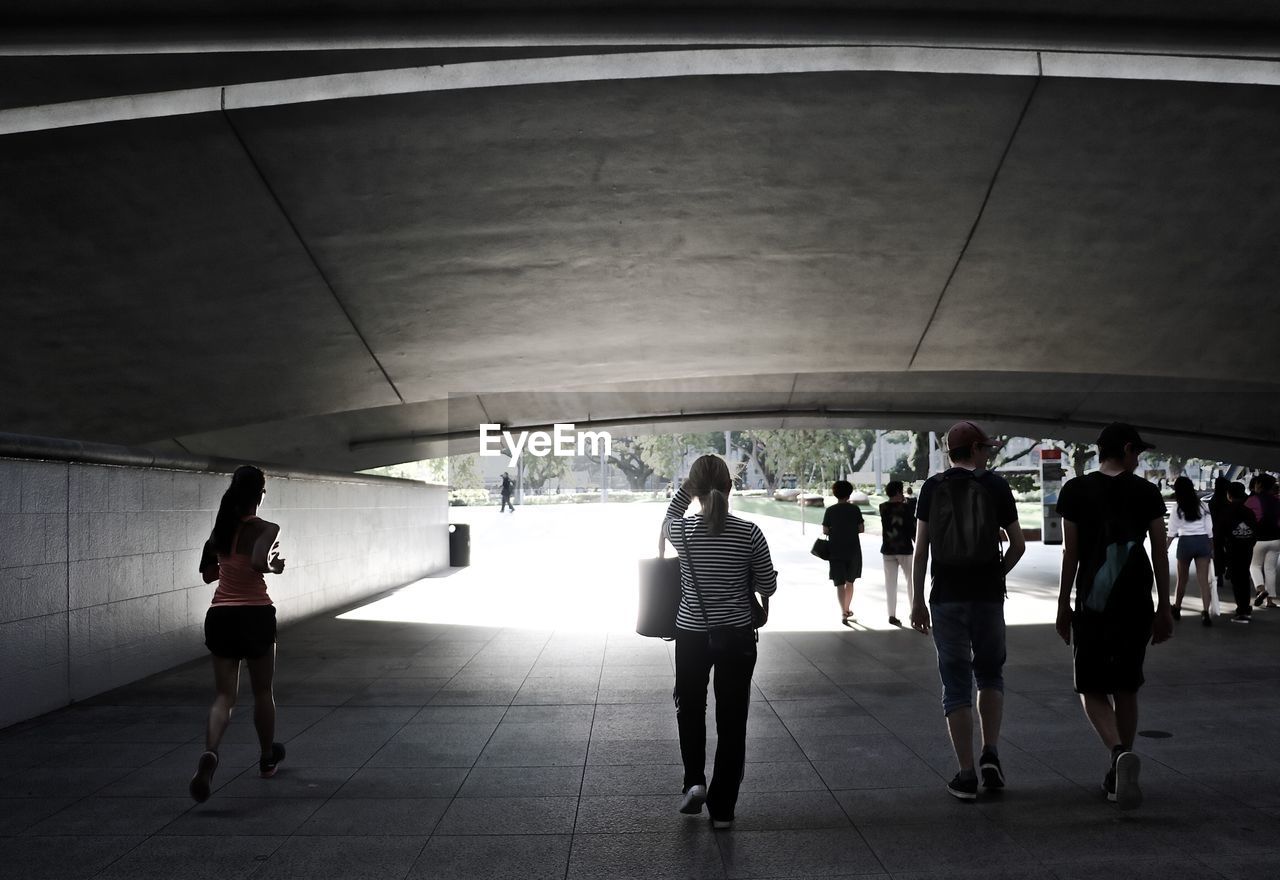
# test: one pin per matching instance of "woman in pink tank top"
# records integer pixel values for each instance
(241, 623)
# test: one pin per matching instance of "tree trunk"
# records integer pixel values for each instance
(920, 455)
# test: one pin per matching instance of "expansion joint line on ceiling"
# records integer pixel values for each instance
(964, 248)
(302, 242)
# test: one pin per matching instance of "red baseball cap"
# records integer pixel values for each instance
(964, 434)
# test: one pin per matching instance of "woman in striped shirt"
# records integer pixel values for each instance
(728, 557)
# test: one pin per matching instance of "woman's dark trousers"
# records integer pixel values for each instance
(733, 698)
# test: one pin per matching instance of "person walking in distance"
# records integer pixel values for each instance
(1266, 509)
(842, 523)
(1240, 530)
(897, 543)
(240, 625)
(1192, 525)
(960, 514)
(722, 559)
(1107, 515)
(507, 488)
(1219, 506)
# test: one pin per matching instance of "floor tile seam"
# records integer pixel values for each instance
(325, 801)
(826, 787)
(84, 797)
(577, 810)
(454, 797)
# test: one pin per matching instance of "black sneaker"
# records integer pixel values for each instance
(202, 782)
(992, 774)
(1240, 618)
(267, 766)
(1109, 784)
(964, 789)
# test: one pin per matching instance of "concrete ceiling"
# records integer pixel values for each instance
(342, 283)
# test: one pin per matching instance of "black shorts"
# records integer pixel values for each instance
(1109, 650)
(843, 571)
(240, 632)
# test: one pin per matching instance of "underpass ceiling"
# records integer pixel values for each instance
(309, 284)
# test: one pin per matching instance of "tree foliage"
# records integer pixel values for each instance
(538, 471)
(627, 455)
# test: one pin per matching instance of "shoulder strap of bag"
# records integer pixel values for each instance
(702, 606)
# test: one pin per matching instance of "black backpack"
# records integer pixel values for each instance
(963, 527)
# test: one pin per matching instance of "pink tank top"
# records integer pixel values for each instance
(238, 582)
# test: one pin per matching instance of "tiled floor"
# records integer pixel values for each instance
(431, 750)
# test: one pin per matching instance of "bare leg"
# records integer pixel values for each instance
(261, 672)
(990, 715)
(1126, 712)
(1184, 568)
(848, 602)
(843, 597)
(1206, 588)
(226, 681)
(1102, 715)
(960, 726)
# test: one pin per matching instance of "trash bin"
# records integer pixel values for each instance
(459, 544)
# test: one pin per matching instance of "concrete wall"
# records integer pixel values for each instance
(98, 580)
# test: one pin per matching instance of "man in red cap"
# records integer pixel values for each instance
(960, 514)
(1107, 515)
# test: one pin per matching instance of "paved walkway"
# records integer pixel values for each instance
(448, 731)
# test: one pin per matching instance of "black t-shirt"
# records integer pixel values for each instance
(984, 584)
(844, 521)
(897, 528)
(1239, 529)
(1112, 515)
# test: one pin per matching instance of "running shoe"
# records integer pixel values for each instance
(267, 765)
(202, 783)
(694, 798)
(992, 773)
(964, 789)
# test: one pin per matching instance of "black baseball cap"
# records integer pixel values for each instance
(1117, 434)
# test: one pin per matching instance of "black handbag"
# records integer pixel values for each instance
(821, 549)
(659, 597)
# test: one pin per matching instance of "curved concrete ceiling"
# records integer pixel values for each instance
(792, 234)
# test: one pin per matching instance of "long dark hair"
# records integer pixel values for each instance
(1220, 486)
(710, 482)
(241, 497)
(1184, 492)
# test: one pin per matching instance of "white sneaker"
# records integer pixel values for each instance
(1128, 794)
(694, 798)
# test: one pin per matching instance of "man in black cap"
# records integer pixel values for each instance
(1107, 515)
(960, 515)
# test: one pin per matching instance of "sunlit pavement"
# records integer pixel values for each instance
(573, 567)
(504, 721)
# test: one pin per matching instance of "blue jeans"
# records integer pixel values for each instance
(970, 640)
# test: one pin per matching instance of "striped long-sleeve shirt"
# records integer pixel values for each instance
(723, 564)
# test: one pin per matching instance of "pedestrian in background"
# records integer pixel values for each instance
(1240, 529)
(1265, 507)
(1192, 526)
(842, 524)
(897, 544)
